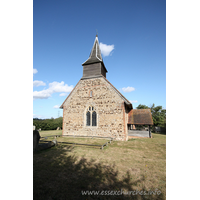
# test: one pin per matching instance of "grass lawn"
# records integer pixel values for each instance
(48, 133)
(65, 171)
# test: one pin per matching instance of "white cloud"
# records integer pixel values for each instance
(134, 101)
(53, 88)
(60, 87)
(43, 94)
(106, 49)
(63, 94)
(56, 106)
(128, 89)
(35, 71)
(38, 83)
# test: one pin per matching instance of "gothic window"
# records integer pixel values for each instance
(94, 118)
(88, 118)
(91, 117)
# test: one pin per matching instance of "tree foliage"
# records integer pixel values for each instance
(48, 124)
(142, 107)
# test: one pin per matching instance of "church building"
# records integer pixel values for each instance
(96, 108)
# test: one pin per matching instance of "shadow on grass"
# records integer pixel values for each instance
(57, 175)
(162, 133)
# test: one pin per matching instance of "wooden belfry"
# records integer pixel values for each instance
(94, 67)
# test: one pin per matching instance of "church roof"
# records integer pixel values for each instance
(140, 117)
(124, 99)
(95, 55)
(69, 95)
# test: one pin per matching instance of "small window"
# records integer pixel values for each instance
(90, 93)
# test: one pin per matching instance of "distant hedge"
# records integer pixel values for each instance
(48, 124)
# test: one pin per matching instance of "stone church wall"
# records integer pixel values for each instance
(111, 112)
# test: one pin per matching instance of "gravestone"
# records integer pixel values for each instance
(157, 129)
(47, 145)
(36, 138)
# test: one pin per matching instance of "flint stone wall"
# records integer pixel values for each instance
(112, 116)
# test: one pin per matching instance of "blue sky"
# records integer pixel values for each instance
(132, 36)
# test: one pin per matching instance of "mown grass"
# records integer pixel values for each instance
(62, 172)
(71, 139)
(52, 132)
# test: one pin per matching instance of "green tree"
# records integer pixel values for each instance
(158, 115)
(140, 106)
(48, 124)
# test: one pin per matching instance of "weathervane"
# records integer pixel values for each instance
(97, 33)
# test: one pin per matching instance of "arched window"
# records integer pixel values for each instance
(94, 118)
(88, 118)
(91, 93)
(91, 116)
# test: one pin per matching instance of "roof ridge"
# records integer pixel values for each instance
(69, 94)
(117, 91)
(127, 101)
